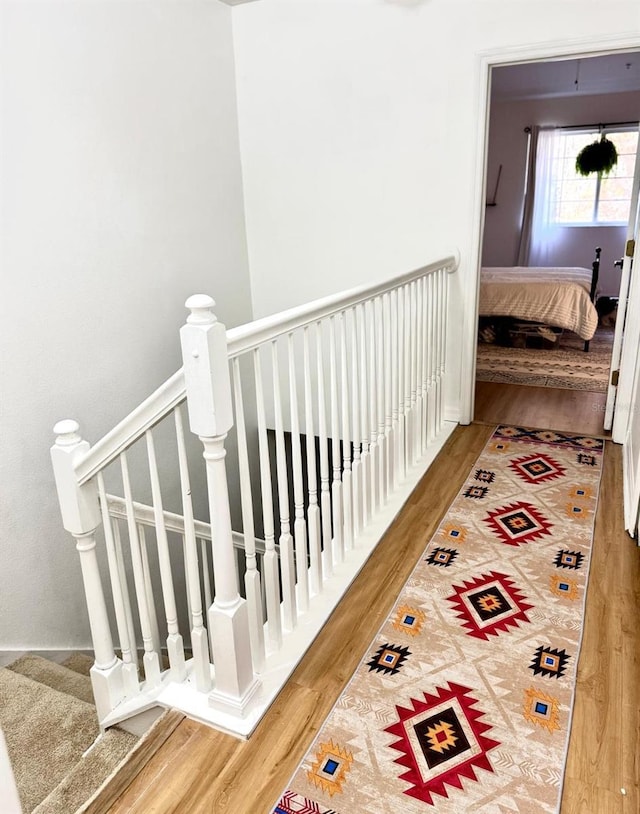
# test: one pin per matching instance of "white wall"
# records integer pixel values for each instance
(359, 126)
(121, 196)
(508, 146)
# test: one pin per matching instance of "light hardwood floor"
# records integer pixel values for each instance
(541, 407)
(199, 770)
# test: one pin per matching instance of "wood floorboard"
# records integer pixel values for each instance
(134, 767)
(543, 408)
(202, 771)
(604, 754)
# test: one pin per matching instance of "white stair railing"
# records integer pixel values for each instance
(314, 426)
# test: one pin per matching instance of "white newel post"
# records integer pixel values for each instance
(208, 386)
(81, 517)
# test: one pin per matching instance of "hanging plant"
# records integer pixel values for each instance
(599, 156)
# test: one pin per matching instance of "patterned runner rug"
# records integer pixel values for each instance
(463, 701)
(566, 366)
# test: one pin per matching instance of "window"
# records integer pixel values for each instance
(593, 200)
(558, 197)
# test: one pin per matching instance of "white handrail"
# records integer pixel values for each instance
(253, 334)
(239, 340)
(146, 415)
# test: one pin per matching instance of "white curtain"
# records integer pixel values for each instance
(524, 243)
(540, 236)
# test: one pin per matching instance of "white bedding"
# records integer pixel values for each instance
(554, 296)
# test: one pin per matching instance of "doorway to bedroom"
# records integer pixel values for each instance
(531, 362)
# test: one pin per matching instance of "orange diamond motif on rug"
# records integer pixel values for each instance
(462, 702)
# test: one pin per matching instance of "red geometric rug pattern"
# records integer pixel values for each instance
(489, 604)
(444, 730)
(462, 703)
(518, 523)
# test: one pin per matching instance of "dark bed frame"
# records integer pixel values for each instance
(595, 273)
(593, 293)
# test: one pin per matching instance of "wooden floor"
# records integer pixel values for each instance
(199, 770)
(541, 407)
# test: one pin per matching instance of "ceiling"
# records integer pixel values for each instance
(612, 73)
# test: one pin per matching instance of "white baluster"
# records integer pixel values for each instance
(407, 378)
(443, 340)
(81, 517)
(185, 560)
(300, 525)
(395, 430)
(271, 565)
(241, 564)
(208, 387)
(424, 380)
(388, 395)
(204, 570)
(285, 541)
(151, 659)
(374, 449)
(199, 642)
(347, 484)
(252, 587)
(127, 645)
(419, 354)
(415, 407)
(431, 410)
(427, 339)
(117, 541)
(313, 511)
(356, 476)
(323, 444)
(439, 346)
(175, 647)
(412, 370)
(148, 589)
(401, 444)
(336, 485)
(263, 592)
(434, 353)
(378, 315)
(367, 507)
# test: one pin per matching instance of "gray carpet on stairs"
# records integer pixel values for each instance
(89, 773)
(49, 722)
(79, 663)
(55, 676)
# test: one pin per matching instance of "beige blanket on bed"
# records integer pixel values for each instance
(555, 296)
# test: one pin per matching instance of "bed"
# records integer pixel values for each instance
(558, 297)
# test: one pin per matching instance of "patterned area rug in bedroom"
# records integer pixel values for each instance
(463, 701)
(566, 367)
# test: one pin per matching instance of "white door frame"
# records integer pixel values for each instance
(563, 49)
(627, 317)
(627, 416)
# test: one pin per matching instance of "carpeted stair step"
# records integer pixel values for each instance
(49, 720)
(47, 732)
(89, 773)
(79, 662)
(56, 676)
